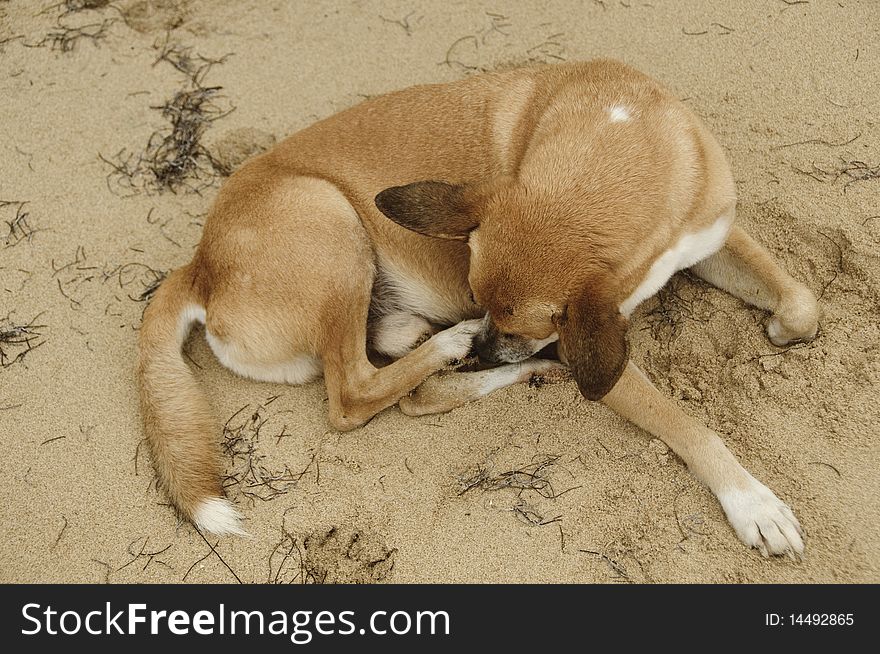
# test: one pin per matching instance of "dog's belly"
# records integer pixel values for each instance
(690, 249)
(298, 369)
(397, 290)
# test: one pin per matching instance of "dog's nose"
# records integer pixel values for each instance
(485, 350)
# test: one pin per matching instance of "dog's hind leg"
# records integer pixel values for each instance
(448, 390)
(295, 302)
(356, 389)
(747, 270)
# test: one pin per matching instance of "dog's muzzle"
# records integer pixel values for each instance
(494, 347)
(485, 349)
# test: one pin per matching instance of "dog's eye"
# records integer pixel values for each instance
(471, 296)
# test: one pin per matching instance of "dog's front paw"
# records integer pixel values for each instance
(796, 318)
(762, 520)
(455, 342)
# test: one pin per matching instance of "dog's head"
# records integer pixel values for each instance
(537, 282)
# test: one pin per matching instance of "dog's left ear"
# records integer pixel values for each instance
(432, 208)
(592, 340)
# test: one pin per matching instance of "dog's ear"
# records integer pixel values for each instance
(431, 208)
(592, 340)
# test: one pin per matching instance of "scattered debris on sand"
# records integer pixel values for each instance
(175, 158)
(251, 476)
(17, 340)
(19, 226)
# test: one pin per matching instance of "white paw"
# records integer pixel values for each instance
(455, 342)
(396, 334)
(514, 373)
(780, 336)
(796, 318)
(762, 520)
(775, 332)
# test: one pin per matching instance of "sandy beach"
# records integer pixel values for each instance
(90, 90)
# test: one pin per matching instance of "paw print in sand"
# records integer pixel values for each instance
(346, 555)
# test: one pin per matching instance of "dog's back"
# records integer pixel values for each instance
(588, 133)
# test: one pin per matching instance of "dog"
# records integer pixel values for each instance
(507, 211)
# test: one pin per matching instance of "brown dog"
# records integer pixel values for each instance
(538, 204)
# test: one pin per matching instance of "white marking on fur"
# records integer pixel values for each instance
(299, 370)
(413, 295)
(218, 516)
(473, 241)
(399, 332)
(689, 249)
(191, 313)
(618, 114)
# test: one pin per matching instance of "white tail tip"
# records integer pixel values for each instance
(219, 516)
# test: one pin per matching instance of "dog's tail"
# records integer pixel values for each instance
(180, 428)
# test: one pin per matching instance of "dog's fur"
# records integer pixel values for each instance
(526, 206)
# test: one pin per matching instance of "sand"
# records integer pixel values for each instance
(791, 90)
